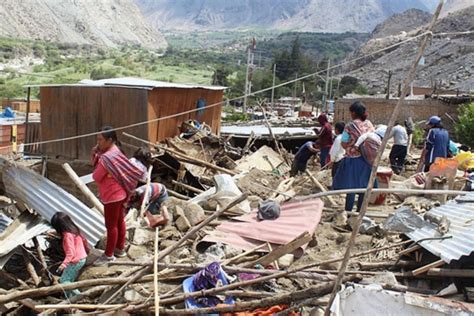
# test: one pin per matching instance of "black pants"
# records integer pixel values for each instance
(397, 158)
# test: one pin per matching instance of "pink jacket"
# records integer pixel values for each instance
(110, 190)
(75, 247)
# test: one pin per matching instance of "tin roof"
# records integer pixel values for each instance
(132, 83)
(261, 130)
(47, 198)
(295, 219)
(22, 229)
(460, 213)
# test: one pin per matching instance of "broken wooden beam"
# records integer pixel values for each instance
(187, 187)
(178, 195)
(320, 187)
(427, 267)
(387, 264)
(84, 189)
(451, 273)
(274, 255)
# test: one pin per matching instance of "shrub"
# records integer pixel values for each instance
(418, 136)
(464, 127)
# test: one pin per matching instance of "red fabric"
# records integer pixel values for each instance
(121, 169)
(325, 136)
(75, 247)
(114, 214)
(109, 189)
(262, 311)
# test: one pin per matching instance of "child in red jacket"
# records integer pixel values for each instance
(75, 248)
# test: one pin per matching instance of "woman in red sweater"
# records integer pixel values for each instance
(75, 249)
(116, 178)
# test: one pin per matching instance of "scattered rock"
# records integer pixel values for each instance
(139, 252)
(286, 261)
(181, 221)
(383, 278)
(194, 213)
(340, 218)
(332, 265)
(287, 284)
(184, 253)
(132, 296)
(166, 243)
(142, 236)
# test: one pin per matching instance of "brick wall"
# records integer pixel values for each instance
(380, 110)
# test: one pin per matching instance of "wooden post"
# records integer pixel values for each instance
(147, 191)
(27, 118)
(321, 187)
(388, 84)
(155, 274)
(406, 85)
(30, 268)
(84, 189)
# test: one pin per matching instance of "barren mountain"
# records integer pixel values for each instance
(104, 22)
(402, 22)
(298, 15)
(448, 59)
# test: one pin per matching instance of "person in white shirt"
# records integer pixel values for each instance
(399, 150)
(336, 153)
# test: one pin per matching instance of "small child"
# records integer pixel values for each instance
(142, 160)
(337, 153)
(157, 194)
(75, 248)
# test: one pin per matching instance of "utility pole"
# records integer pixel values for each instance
(330, 89)
(388, 84)
(296, 82)
(273, 85)
(249, 72)
(326, 88)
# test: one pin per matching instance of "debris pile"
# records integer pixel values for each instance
(242, 236)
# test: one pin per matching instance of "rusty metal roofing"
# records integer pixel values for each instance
(295, 219)
(460, 213)
(47, 198)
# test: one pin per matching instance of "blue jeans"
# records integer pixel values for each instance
(70, 274)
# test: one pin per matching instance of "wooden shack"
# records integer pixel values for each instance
(70, 110)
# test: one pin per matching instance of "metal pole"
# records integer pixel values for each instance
(326, 88)
(246, 81)
(28, 95)
(273, 86)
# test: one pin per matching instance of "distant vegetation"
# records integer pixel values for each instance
(203, 58)
(464, 128)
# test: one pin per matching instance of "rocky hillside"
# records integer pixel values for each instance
(448, 60)
(104, 22)
(298, 15)
(402, 22)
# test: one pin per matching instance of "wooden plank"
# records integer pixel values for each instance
(409, 250)
(283, 250)
(452, 273)
(427, 267)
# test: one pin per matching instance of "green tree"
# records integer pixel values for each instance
(464, 127)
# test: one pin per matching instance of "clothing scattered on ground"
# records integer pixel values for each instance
(268, 210)
(207, 278)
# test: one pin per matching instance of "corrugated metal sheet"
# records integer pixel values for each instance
(260, 130)
(22, 229)
(461, 216)
(131, 82)
(4, 222)
(47, 198)
(295, 219)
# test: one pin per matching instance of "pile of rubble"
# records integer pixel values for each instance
(412, 254)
